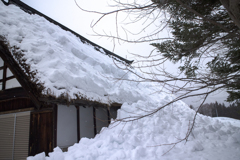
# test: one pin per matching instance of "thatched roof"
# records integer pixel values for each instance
(61, 66)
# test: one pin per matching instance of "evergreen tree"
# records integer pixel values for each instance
(220, 110)
(204, 29)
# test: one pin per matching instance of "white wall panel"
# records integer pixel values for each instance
(1, 74)
(9, 73)
(66, 126)
(1, 62)
(101, 118)
(12, 83)
(86, 122)
(113, 112)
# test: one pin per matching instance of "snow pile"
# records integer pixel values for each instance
(232, 121)
(145, 138)
(64, 64)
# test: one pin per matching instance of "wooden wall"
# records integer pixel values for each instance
(41, 138)
(42, 135)
(14, 99)
(15, 104)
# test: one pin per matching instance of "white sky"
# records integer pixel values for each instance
(67, 13)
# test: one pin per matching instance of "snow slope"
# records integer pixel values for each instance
(66, 65)
(232, 121)
(144, 139)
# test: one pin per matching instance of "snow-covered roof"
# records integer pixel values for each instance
(62, 62)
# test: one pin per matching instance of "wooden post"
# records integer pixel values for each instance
(78, 123)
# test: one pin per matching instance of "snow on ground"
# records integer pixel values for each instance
(66, 65)
(211, 139)
(232, 121)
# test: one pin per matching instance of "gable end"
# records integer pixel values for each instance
(28, 86)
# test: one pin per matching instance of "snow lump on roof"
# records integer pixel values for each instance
(63, 63)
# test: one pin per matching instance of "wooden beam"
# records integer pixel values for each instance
(55, 114)
(4, 76)
(18, 110)
(17, 71)
(6, 79)
(108, 114)
(114, 104)
(78, 123)
(77, 102)
(94, 121)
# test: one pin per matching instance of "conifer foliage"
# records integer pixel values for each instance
(204, 29)
(220, 110)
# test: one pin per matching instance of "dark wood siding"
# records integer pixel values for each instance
(15, 104)
(14, 99)
(41, 132)
(18, 92)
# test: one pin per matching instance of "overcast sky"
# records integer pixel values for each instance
(67, 13)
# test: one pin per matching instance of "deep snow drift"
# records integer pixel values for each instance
(144, 139)
(63, 61)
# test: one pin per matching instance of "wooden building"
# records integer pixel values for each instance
(31, 122)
